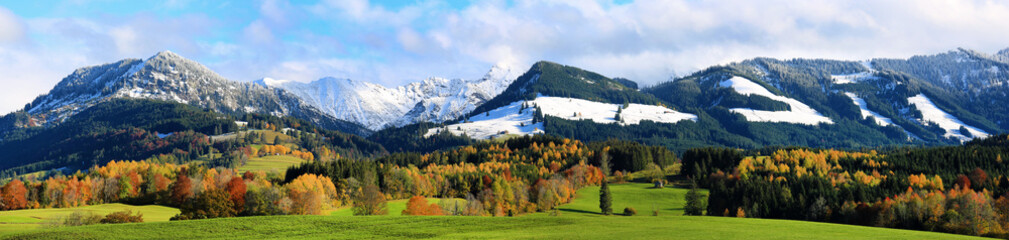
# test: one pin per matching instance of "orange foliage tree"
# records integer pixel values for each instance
(418, 206)
(14, 195)
(236, 188)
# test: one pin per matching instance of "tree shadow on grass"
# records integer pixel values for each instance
(578, 211)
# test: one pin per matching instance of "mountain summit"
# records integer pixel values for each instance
(378, 107)
(170, 77)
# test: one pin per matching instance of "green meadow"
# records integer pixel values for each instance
(577, 220)
(19, 220)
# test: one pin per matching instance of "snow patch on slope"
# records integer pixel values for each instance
(850, 78)
(932, 113)
(800, 113)
(270, 82)
(880, 119)
(512, 119)
(501, 121)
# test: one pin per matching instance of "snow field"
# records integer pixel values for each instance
(508, 120)
(932, 113)
(800, 113)
(880, 119)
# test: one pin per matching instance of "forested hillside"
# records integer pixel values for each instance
(955, 189)
(123, 129)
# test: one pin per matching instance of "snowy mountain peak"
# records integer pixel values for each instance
(501, 71)
(269, 82)
(166, 54)
(433, 99)
(170, 77)
(1003, 55)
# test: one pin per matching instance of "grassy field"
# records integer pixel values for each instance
(35, 218)
(395, 207)
(530, 227)
(640, 196)
(578, 220)
(270, 163)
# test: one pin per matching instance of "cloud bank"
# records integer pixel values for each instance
(646, 41)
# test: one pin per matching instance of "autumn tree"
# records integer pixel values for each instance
(14, 195)
(309, 193)
(214, 203)
(370, 201)
(182, 189)
(418, 206)
(962, 181)
(978, 178)
(236, 188)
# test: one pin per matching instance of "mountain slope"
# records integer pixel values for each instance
(167, 76)
(924, 99)
(378, 107)
(137, 129)
(556, 80)
(937, 99)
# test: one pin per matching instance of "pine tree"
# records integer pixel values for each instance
(695, 201)
(605, 198)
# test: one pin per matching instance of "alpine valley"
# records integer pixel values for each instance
(941, 99)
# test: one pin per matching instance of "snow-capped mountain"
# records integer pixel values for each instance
(1003, 55)
(378, 107)
(170, 77)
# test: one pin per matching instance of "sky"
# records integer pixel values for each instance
(397, 42)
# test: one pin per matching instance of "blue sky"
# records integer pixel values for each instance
(397, 42)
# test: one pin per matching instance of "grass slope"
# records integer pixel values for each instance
(395, 207)
(578, 220)
(270, 163)
(568, 227)
(640, 196)
(19, 220)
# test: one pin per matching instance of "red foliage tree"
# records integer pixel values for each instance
(182, 189)
(978, 177)
(236, 187)
(962, 181)
(14, 195)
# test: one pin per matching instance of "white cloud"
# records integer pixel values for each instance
(645, 40)
(258, 32)
(11, 28)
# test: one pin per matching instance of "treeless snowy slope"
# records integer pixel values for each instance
(509, 119)
(800, 113)
(932, 113)
(850, 78)
(880, 119)
(580, 109)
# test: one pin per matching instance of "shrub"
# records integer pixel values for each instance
(370, 201)
(81, 218)
(555, 213)
(123, 217)
(629, 211)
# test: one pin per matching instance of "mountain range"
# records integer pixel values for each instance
(938, 99)
(378, 107)
(165, 76)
